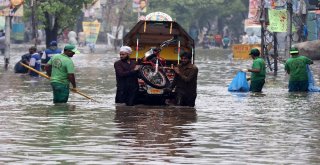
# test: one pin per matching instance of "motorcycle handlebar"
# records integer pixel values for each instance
(167, 42)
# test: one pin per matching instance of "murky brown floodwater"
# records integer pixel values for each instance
(224, 128)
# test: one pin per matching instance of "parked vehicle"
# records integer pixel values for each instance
(157, 46)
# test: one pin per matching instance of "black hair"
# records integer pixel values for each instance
(256, 54)
(186, 54)
(33, 48)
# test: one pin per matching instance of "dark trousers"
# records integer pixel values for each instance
(60, 92)
(298, 86)
(185, 100)
(127, 96)
(257, 85)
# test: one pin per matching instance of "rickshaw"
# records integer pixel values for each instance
(156, 46)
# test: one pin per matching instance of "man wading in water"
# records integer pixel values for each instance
(127, 77)
(61, 70)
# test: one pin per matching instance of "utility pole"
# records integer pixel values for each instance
(264, 49)
(34, 25)
(262, 23)
(275, 49)
(7, 41)
(289, 30)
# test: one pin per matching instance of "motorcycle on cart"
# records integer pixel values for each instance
(153, 70)
(156, 47)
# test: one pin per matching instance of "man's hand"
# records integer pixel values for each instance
(136, 67)
(176, 69)
(244, 70)
(74, 89)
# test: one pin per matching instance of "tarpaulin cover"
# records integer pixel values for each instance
(239, 83)
(311, 87)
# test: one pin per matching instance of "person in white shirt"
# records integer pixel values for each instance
(253, 39)
(245, 38)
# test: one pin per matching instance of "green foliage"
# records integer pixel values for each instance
(62, 12)
(187, 12)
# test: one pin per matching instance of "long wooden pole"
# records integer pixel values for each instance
(47, 77)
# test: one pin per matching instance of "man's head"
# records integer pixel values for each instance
(70, 50)
(53, 43)
(143, 4)
(125, 52)
(254, 52)
(32, 49)
(294, 51)
(185, 58)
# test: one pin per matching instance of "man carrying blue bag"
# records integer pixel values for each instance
(258, 71)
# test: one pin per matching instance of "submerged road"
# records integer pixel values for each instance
(275, 127)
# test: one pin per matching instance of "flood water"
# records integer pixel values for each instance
(274, 127)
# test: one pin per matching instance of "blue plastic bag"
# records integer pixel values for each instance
(239, 83)
(311, 87)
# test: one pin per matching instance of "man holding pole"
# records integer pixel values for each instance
(61, 70)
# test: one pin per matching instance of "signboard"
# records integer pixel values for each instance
(278, 20)
(2, 22)
(253, 9)
(312, 23)
(17, 31)
(11, 8)
(241, 51)
(90, 9)
(91, 30)
(139, 6)
(250, 22)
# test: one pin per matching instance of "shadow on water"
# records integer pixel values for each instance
(155, 130)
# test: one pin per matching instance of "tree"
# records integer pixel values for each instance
(202, 12)
(56, 15)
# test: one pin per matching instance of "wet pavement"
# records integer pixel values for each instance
(274, 127)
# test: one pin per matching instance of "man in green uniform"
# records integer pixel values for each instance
(258, 71)
(61, 70)
(296, 67)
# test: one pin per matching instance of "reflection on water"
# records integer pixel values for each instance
(151, 130)
(275, 127)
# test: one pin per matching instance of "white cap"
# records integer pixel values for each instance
(126, 49)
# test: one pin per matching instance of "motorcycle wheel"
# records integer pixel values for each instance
(156, 80)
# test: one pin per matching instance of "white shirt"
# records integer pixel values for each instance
(245, 39)
(253, 39)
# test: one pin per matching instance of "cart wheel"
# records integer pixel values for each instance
(156, 80)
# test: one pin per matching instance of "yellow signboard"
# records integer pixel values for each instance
(91, 29)
(11, 8)
(241, 51)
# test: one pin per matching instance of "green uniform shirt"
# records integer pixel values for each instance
(296, 66)
(62, 65)
(258, 63)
